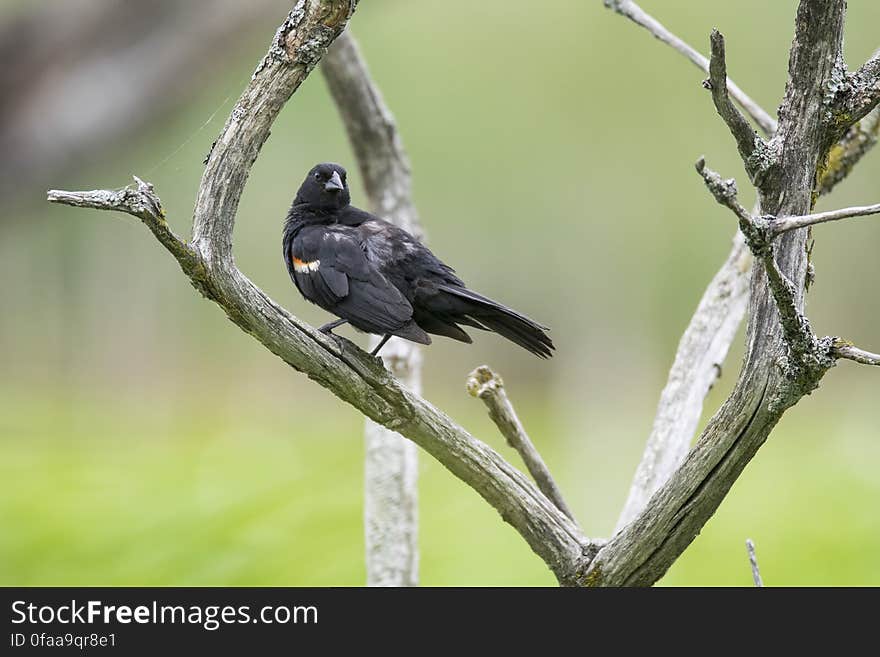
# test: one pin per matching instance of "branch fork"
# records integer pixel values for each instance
(813, 355)
(859, 93)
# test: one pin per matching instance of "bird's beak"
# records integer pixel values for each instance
(334, 184)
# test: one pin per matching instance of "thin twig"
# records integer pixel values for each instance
(785, 224)
(725, 192)
(488, 386)
(139, 201)
(747, 140)
(753, 560)
(759, 236)
(759, 233)
(849, 352)
(640, 17)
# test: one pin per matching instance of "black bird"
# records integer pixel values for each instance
(381, 279)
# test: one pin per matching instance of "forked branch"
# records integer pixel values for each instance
(709, 334)
(861, 92)
(815, 355)
(336, 364)
(769, 382)
(706, 340)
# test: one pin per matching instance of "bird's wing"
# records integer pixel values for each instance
(397, 251)
(329, 267)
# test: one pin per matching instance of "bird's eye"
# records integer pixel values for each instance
(318, 176)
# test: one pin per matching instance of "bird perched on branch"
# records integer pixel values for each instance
(382, 280)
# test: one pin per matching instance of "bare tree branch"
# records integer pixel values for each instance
(336, 363)
(485, 384)
(701, 351)
(759, 233)
(637, 15)
(771, 380)
(706, 340)
(751, 147)
(785, 224)
(753, 561)
(849, 352)
(725, 192)
(861, 92)
(391, 471)
(142, 203)
(711, 330)
(391, 465)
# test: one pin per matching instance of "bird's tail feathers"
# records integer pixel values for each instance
(484, 313)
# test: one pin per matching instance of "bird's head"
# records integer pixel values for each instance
(325, 188)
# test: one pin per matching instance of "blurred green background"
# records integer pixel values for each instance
(146, 440)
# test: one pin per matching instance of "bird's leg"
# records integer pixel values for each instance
(329, 326)
(381, 344)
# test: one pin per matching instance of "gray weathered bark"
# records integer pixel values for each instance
(391, 526)
(710, 332)
(781, 365)
(701, 352)
(391, 475)
(704, 345)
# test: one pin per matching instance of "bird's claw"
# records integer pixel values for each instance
(329, 326)
(338, 340)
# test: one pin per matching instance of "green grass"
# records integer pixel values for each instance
(98, 494)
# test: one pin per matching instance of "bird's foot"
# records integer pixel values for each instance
(329, 326)
(339, 341)
(378, 348)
